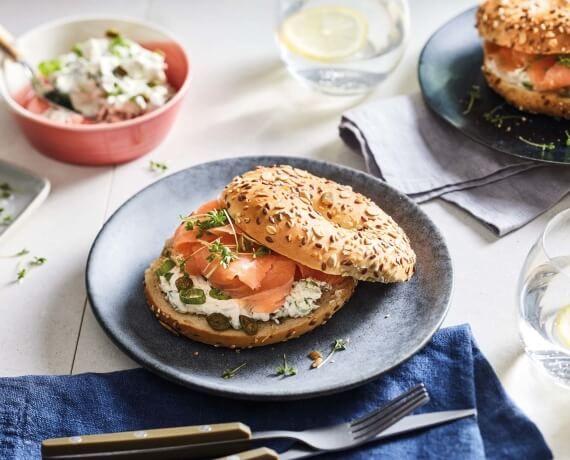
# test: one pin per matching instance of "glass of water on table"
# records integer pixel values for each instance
(544, 302)
(342, 47)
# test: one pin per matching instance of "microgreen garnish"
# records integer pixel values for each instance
(218, 250)
(21, 275)
(157, 166)
(37, 261)
(474, 94)
(214, 218)
(285, 370)
(6, 190)
(564, 59)
(338, 345)
(261, 251)
(542, 147)
(567, 138)
(23, 271)
(21, 253)
(230, 373)
(498, 119)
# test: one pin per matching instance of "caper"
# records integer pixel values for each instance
(249, 325)
(192, 296)
(120, 71)
(166, 266)
(218, 322)
(112, 33)
(183, 282)
(219, 294)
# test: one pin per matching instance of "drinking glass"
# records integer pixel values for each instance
(544, 300)
(383, 34)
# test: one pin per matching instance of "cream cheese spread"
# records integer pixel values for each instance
(301, 301)
(109, 78)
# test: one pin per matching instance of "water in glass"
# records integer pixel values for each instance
(544, 304)
(342, 46)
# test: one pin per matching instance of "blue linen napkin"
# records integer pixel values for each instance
(452, 367)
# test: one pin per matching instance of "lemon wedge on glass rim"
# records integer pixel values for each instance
(562, 325)
(325, 33)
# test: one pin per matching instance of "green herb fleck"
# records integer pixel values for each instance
(6, 190)
(542, 147)
(118, 41)
(7, 219)
(21, 253)
(338, 345)
(21, 275)
(498, 119)
(50, 66)
(168, 275)
(37, 261)
(261, 251)
(567, 143)
(564, 59)
(528, 85)
(218, 250)
(77, 50)
(231, 373)
(474, 94)
(285, 370)
(157, 166)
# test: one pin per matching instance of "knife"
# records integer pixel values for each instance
(241, 441)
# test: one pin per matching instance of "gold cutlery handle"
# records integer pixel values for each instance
(262, 453)
(162, 437)
(6, 44)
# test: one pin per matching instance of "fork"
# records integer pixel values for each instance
(356, 431)
(336, 437)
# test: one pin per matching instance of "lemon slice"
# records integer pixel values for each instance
(325, 33)
(562, 325)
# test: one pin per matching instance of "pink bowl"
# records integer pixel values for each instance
(103, 143)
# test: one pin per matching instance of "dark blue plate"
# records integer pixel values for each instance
(386, 324)
(450, 65)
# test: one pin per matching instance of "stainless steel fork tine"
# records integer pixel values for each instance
(393, 417)
(415, 390)
(379, 417)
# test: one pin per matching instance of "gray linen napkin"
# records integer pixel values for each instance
(413, 150)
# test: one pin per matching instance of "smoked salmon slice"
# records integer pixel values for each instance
(547, 74)
(507, 59)
(260, 283)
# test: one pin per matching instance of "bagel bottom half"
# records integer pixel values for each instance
(548, 103)
(197, 328)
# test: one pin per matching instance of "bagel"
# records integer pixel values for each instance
(547, 103)
(528, 26)
(319, 223)
(275, 257)
(527, 53)
(196, 327)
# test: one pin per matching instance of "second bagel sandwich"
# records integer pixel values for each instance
(274, 257)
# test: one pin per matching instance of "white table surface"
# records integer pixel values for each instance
(241, 102)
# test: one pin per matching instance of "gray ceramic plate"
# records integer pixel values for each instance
(28, 192)
(450, 65)
(386, 324)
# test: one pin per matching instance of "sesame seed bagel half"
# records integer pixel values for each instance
(319, 223)
(196, 327)
(548, 103)
(528, 26)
